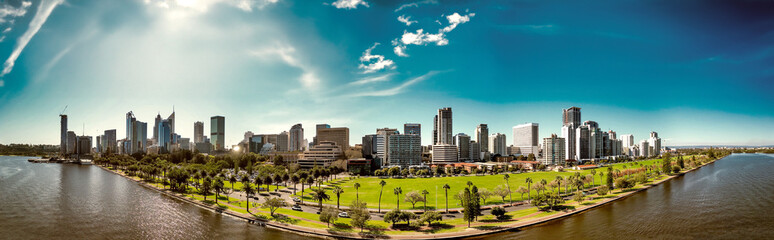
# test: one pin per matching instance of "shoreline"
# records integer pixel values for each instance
(306, 231)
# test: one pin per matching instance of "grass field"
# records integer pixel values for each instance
(369, 187)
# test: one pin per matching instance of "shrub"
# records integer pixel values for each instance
(640, 178)
(602, 190)
(624, 182)
(499, 212)
(676, 169)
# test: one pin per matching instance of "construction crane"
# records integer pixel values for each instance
(63, 110)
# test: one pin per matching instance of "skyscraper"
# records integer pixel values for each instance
(63, 134)
(339, 135)
(435, 129)
(568, 133)
(571, 116)
(156, 123)
(317, 132)
(553, 150)
(462, 141)
(655, 142)
(130, 132)
(482, 137)
(412, 128)
(497, 144)
(198, 132)
(404, 150)
(218, 132)
(525, 136)
(110, 139)
(283, 140)
(171, 120)
(444, 123)
(296, 138)
(164, 134)
(583, 143)
(644, 149)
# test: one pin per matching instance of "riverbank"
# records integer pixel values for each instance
(528, 220)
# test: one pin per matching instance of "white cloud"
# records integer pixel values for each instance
(289, 56)
(44, 10)
(420, 37)
(374, 79)
(8, 12)
(400, 50)
(416, 4)
(456, 19)
(349, 4)
(7, 30)
(406, 20)
(398, 89)
(204, 5)
(370, 66)
(2, 38)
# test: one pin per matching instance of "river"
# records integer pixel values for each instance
(730, 199)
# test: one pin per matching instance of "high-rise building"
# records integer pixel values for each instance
(596, 141)
(296, 138)
(339, 135)
(369, 146)
(412, 128)
(497, 144)
(322, 155)
(140, 143)
(482, 137)
(164, 135)
(444, 153)
(627, 140)
(526, 135)
(568, 133)
(110, 141)
(655, 142)
(198, 132)
(218, 133)
(644, 148)
(171, 120)
(381, 143)
(317, 131)
(444, 125)
(283, 141)
(130, 132)
(404, 150)
(84, 145)
(63, 134)
(583, 141)
(571, 116)
(475, 151)
(462, 141)
(72, 143)
(99, 143)
(553, 151)
(156, 123)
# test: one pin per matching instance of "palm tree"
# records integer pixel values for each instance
(507, 184)
(258, 181)
(446, 190)
(277, 180)
(469, 183)
(338, 191)
(529, 183)
(593, 172)
(382, 183)
(294, 179)
(425, 192)
(320, 195)
(544, 183)
(559, 180)
(397, 191)
(248, 191)
(232, 179)
(357, 193)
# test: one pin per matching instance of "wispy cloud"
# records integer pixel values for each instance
(531, 28)
(415, 4)
(420, 37)
(44, 10)
(369, 66)
(398, 89)
(8, 12)
(349, 4)
(374, 79)
(204, 5)
(289, 56)
(406, 20)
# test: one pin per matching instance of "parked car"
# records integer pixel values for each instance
(296, 208)
(295, 199)
(344, 215)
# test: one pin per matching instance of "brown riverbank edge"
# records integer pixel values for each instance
(454, 235)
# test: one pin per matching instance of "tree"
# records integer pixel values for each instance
(329, 215)
(397, 191)
(232, 180)
(217, 185)
(382, 183)
(320, 195)
(446, 191)
(499, 212)
(529, 183)
(475, 202)
(522, 190)
(508, 185)
(359, 214)
(602, 190)
(205, 189)
(484, 195)
(392, 217)
(593, 172)
(273, 204)
(666, 164)
(268, 180)
(551, 200)
(429, 217)
(469, 213)
(357, 193)
(294, 179)
(413, 197)
(248, 191)
(279, 160)
(680, 161)
(338, 191)
(610, 177)
(424, 198)
(277, 180)
(502, 192)
(258, 181)
(676, 169)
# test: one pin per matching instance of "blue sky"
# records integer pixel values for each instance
(697, 72)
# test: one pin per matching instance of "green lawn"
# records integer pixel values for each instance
(369, 187)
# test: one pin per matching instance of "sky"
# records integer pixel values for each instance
(696, 72)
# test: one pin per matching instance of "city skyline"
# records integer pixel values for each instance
(678, 76)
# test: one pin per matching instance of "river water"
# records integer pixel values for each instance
(730, 199)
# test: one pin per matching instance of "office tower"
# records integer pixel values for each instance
(99, 143)
(644, 147)
(627, 140)
(655, 142)
(171, 120)
(63, 134)
(381, 143)
(339, 135)
(72, 140)
(198, 132)
(412, 128)
(110, 139)
(497, 144)
(591, 124)
(553, 151)
(156, 123)
(482, 137)
(525, 136)
(323, 155)
(84, 145)
(317, 132)
(369, 146)
(296, 138)
(435, 129)
(404, 150)
(218, 133)
(130, 132)
(475, 151)
(283, 141)
(568, 133)
(444, 123)
(582, 143)
(445, 153)
(596, 142)
(164, 136)
(571, 116)
(462, 141)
